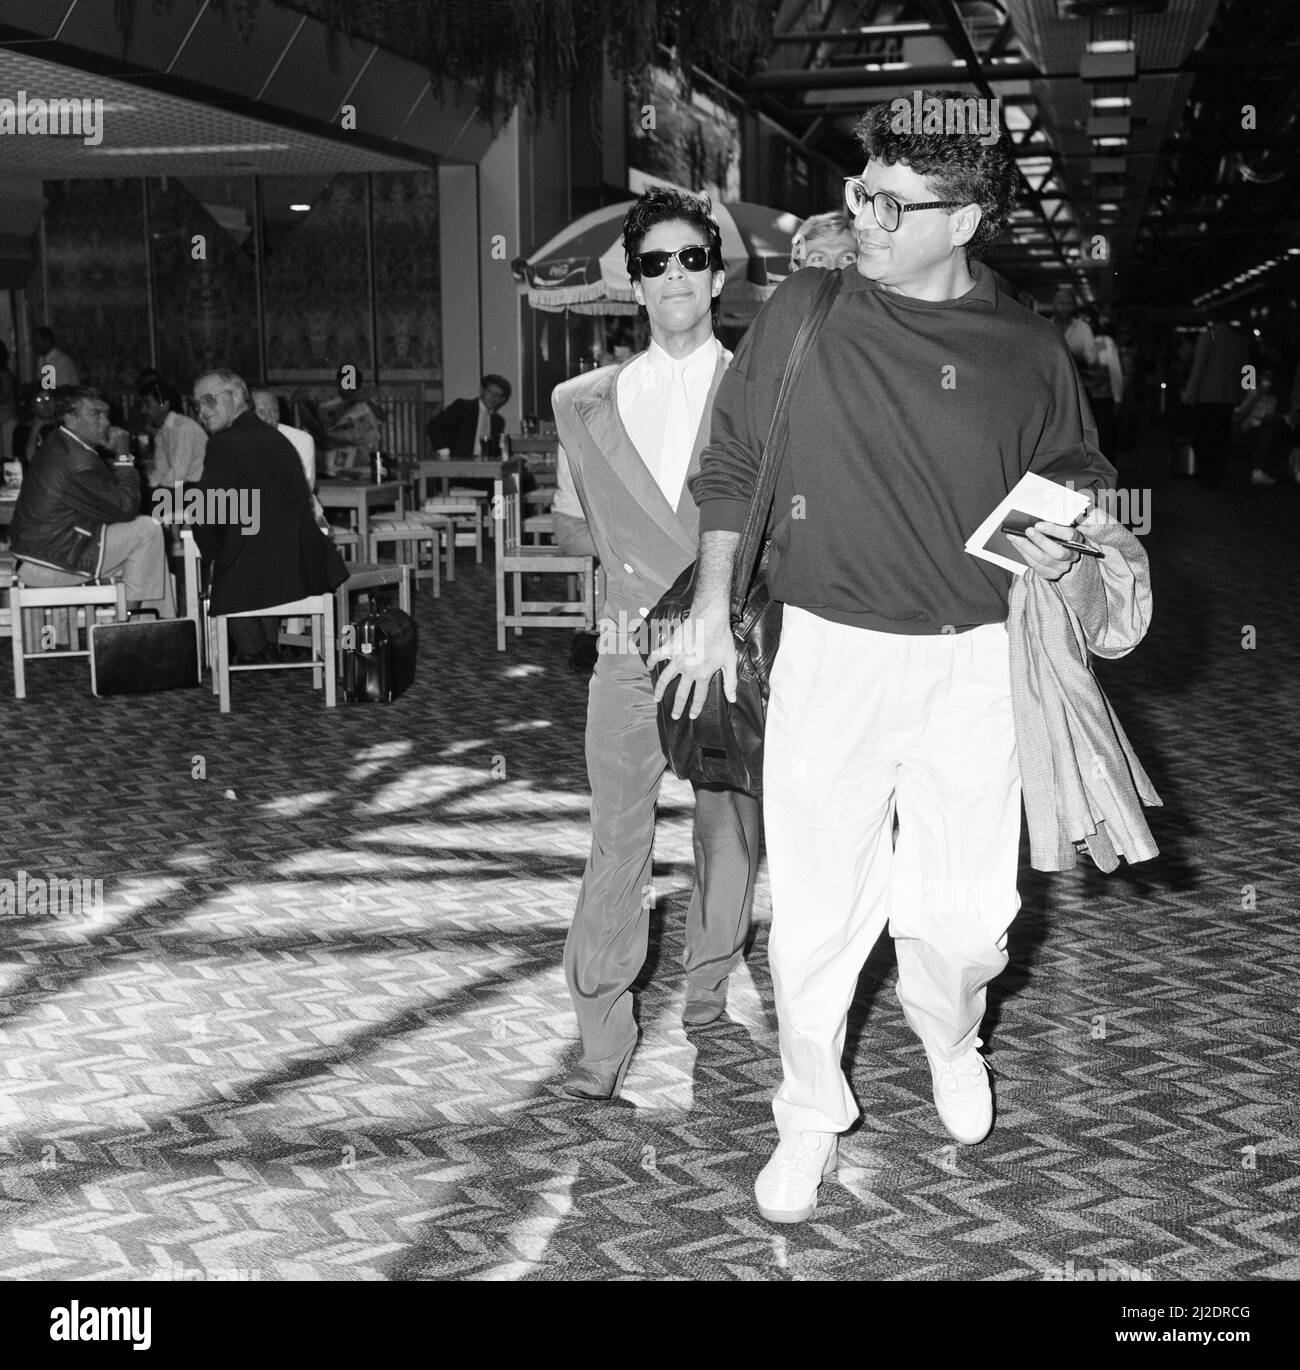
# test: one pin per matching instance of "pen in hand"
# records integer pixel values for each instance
(1086, 548)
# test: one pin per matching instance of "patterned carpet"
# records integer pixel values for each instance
(316, 1026)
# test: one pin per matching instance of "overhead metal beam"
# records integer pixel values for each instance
(1006, 69)
(944, 12)
(848, 78)
(854, 35)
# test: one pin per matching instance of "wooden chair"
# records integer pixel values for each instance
(31, 609)
(348, 541)
(365, 578)
(404, 427)
(324, 639)
(6, 580)
(515, 560)
(464, 514)
(408, 536)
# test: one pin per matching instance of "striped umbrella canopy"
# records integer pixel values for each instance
(583, 268)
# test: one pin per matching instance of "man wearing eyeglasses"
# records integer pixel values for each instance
(631, 435)
(279, 554)
(927, 398)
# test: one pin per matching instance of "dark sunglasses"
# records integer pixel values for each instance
(652, 264)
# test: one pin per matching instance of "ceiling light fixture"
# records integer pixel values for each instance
(212, 149)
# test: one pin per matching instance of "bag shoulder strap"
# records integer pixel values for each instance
(769, 463)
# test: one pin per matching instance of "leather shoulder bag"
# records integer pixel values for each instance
(724, 745)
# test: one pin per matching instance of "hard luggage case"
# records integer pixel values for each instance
(379, 659)
(139, 658)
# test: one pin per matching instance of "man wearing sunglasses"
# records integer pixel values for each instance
(631, 434)
(927, 398)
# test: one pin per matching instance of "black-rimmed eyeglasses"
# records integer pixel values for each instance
(652, 264)
(888, 211)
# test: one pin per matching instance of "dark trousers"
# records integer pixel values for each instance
(1213, 442)
(249, 636)
(607, 942)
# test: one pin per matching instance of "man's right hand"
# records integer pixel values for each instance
(696, 651)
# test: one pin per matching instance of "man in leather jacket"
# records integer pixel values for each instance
(77, 519)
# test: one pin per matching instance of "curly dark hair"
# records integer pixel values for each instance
(959, 166)
(660, 205)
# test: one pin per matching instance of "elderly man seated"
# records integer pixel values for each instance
(266, 405)
(77, 519)
(264, 545)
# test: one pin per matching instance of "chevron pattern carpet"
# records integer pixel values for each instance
(314, 1026)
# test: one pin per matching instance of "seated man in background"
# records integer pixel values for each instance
(266, 405)
(178, 442)
(77, 520)
(471, 429)
(459, 431)
(273, 552)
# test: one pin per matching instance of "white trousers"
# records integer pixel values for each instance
(861, 726)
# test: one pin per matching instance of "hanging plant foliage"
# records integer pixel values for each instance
(529, 52)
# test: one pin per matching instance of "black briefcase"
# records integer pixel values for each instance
(139, 658)
(379, 657)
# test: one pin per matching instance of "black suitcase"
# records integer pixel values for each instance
(379, 661)
(138, 658)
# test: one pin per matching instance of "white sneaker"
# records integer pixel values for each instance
(786, 1188)
(962, 1094)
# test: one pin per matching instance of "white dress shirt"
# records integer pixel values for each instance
(483, 430)
(180, 445)
(661, 401)
(305, 445)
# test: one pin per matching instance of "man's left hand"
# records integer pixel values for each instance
(1048, 558)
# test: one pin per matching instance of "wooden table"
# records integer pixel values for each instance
(540, 446)
(454, 472)
(360, 497)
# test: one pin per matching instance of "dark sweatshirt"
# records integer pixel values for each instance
(911, 421)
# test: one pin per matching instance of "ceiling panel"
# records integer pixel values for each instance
(216, 46)
(137, 116)
(1163, 40)
(315, 74)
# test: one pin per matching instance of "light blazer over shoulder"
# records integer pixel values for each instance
(643, 543)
